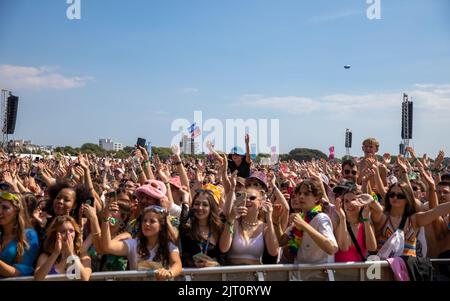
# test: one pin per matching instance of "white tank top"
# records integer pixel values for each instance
(252, 249)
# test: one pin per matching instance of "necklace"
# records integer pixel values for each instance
(250, 224)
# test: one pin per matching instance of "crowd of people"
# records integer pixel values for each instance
(95, 214)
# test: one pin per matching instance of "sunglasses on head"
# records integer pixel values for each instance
(4, 186)
(399, 196)
(155, 208)
(346, 171)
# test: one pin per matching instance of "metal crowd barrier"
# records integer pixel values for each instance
(350, 271)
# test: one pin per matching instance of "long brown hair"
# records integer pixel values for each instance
(49, 243)
(409, 207)
(214, 222)
(162, 254)
(20, 227)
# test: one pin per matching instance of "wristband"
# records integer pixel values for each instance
(230, 227)
(110, 219)
(362, 219)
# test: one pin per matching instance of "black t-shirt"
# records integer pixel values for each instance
(243, 169)
(191, 247)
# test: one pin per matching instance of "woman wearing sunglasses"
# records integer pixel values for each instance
(400, 212)
(152, 247)
(19, 245)
(63, 251)
(200, 238)
(246, 236)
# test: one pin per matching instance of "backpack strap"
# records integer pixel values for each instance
(355, 242)
(403, 221)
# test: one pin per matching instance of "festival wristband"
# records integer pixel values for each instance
(362, 219)
(111, 220)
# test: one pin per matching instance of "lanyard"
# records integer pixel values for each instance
(204, 246)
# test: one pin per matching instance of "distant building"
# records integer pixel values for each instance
(189, 146)
(109, 145)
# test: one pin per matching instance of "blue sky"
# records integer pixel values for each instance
(129, 68)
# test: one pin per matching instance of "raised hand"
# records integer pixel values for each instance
(402, 164)
(164, 173)
(175, 150)
(233, 180)
(143, 153)
(339, 209)
(387, 159)
(268, 210)
(427, 176)
(247, 139)
(439, 159)
(83, 161)
(411, 151)
(210, 146)
(89, 212)
(277, 212)
(272, 179)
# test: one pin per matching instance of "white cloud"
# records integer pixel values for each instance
(432, 99)
(190, 90)
(335, 16)
(37, 78)
(292, 104)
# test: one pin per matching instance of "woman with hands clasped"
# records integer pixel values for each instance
(62, 251)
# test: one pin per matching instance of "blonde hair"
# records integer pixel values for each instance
(371, 141)
(20, 227)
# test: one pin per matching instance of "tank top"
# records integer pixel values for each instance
(252, 249)
(410, 236)
(352, 253)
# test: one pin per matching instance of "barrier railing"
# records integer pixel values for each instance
(350, 271)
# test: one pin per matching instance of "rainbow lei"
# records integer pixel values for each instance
(296, 235)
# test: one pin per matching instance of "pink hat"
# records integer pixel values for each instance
(175, 181)
(153, 188)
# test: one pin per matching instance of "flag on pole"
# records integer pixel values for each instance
(331, 149)
(194, 130)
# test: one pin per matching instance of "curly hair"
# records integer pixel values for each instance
(312, 185)
(162, 254)
(21, 224)
(49, 243)
(82, 193)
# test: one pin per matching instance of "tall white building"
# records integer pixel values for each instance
(189, 146)
(109, 145)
